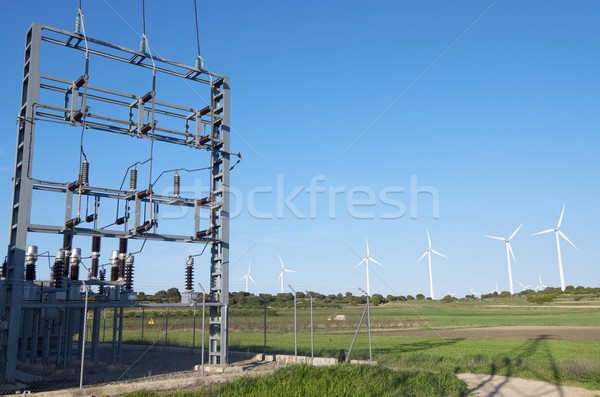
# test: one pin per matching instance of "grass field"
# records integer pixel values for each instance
(568, 362)
(342, 381)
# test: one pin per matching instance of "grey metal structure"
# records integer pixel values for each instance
(46, 303)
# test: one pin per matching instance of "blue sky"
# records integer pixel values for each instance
(491, 105)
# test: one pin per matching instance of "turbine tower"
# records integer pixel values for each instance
(282, 272)
(558, 233)
(247, 276)
(428, 253)
(509, 253)
(366, 260)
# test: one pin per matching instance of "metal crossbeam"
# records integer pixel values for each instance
(73, 110)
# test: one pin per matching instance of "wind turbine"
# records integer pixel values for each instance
(452, 294)
(558, 233)
(509, 253)
(282, 272)
(428, 253)
(366, 260)
(247, 276)
(473, 292)
(495, 291)
(524, 287)
(541, 286)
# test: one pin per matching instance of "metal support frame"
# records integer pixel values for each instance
(214, 117)
(11, 293)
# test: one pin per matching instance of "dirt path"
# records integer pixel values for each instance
(502, 386)
(510, 332)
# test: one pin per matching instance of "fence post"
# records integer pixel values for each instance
(167, 326)
(143, 321)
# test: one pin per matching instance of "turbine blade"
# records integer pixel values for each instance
(562, 213)
(289, 271)
(280, 274)
(360, 263)
(439, 253)
(542, 232)
(496, 238)
(367, 241)
(251, 279)
(376, 262)
(249, 266)
(515, 232)
(422, 256)
(511, 251)
(428, 239)
(243, 277)
(281, 261)
(566, 238)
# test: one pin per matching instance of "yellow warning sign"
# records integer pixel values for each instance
(151, 322)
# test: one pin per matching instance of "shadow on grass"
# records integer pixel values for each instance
(507, 367)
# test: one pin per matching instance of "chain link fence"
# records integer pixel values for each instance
(165, 338)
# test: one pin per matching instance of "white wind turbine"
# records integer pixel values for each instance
(428, 253)
(524, 287)
(541, 286)
(247, 276)
(282, 272)
(366, 260)
(475, 294)
(509, 253)
(558, 233)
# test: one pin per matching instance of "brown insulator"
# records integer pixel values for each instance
(120, 220)
(204, 139)
(65, 268)
(71, 223)
(176, 184)
(133, 179)
(85, 173)
(129, 273)
(67, 241)
(102, 278)
(80, 81)
(75, 261)
(189, 274)
(143, 194)
(96, 243)
(147, 97)
(78, 115)
(203, 233)
(121, 266)
(122, 245)
(95, 255)
(30, 271)
(73, 186)
(74, 271)
(204, 111)
(204, 201)
(114, 273)
(114, 265)
(144, 227)
(145, 128)
(91, 218)
(57, 271)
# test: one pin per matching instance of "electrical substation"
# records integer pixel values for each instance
(44, 320)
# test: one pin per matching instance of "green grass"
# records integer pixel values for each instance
(558, 361)
(343, 381)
